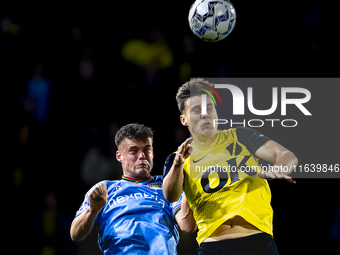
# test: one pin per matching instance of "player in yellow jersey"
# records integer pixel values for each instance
(224, 184)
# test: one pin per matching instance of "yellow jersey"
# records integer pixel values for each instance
(221, 182)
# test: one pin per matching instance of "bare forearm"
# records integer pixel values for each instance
(287, 161)
(82, 225)
(173, 183)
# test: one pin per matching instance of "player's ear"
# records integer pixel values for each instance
(118, 156)
(183, 120)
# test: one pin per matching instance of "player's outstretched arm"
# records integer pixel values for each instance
(185, 217)
(82, 225)
(284, 161)
(173, 182)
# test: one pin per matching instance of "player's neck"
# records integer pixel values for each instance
(204, 141)
(136, 178)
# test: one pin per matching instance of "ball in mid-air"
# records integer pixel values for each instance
(212, 20)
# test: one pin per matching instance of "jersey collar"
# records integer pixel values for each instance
(136, 180)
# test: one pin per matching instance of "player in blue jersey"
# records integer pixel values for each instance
(131, 215)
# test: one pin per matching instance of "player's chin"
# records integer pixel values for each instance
(143, 170)
(207, 130)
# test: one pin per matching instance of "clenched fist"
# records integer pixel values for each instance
(98, 197)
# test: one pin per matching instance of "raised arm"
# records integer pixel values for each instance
(284, 161)
(173, 182)
(82, 225)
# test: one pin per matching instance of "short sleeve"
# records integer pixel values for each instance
(250, 138)
(168, 163)
(176, 206)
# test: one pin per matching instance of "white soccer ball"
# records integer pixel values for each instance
(212, 20)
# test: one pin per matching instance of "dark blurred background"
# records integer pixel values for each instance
(73, 72)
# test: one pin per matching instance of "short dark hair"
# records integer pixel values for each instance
(133, 131)
(189, 89)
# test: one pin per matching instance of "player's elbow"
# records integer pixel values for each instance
(188, 227)
(292, 158)
(291, 161)
(171, 197)
(171, 194)
(295, 160)
(75, 235)
(186, 221)
(75, 238)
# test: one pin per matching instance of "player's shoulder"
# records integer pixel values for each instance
(239, 132)
(226, 134)
(236, 129)
(250, 138)
(244, 130)
(244, 133)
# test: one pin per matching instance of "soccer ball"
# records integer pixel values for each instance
(212, 20)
